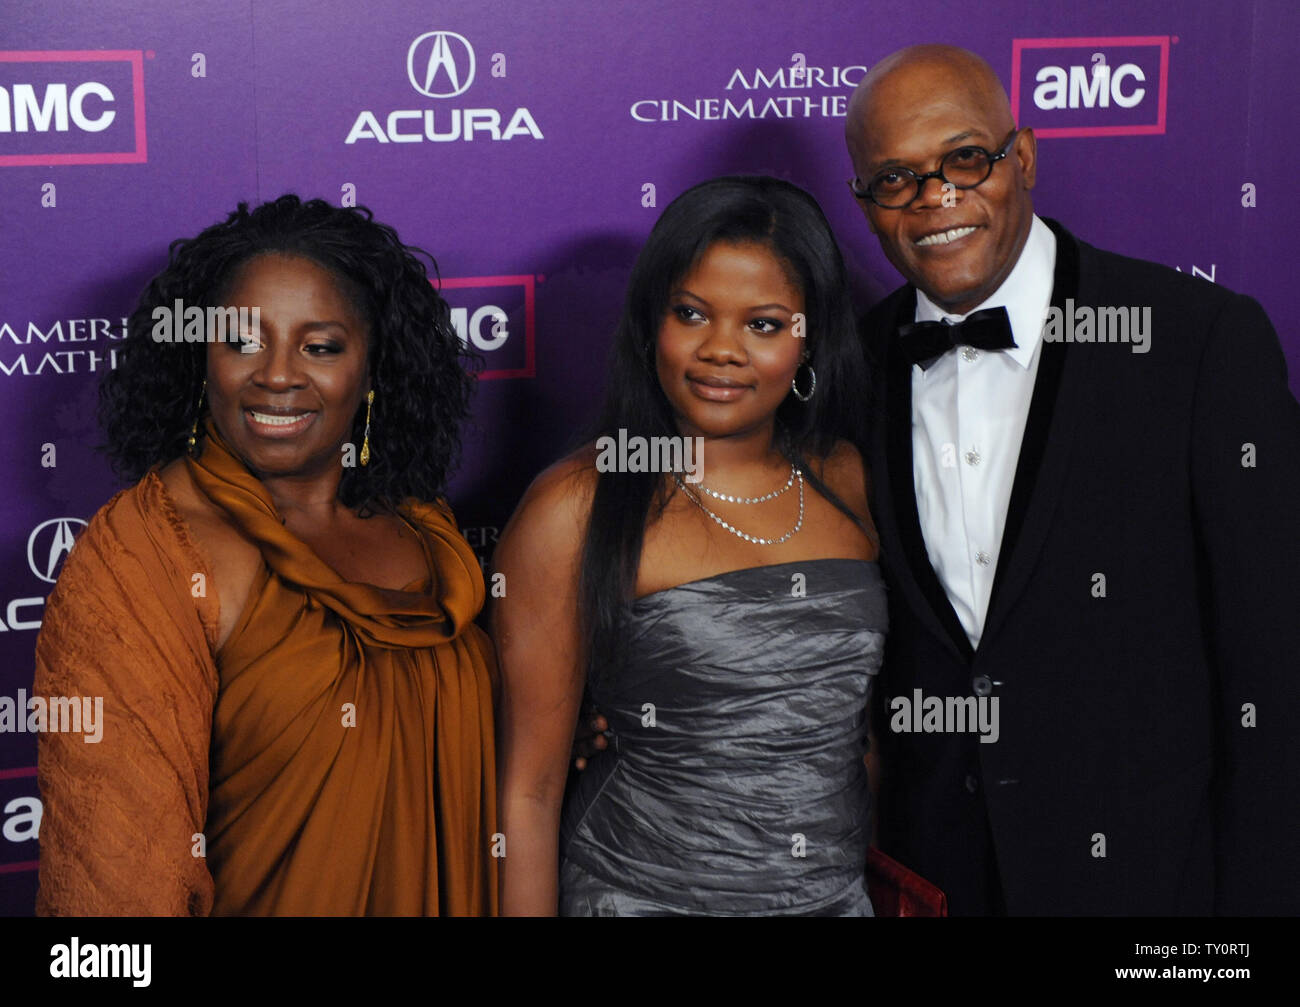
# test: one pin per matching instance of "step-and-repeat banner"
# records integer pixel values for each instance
(530, 147)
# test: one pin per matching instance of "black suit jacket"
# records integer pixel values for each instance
(1124, 718)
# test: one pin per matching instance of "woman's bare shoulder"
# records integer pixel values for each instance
(844, 471)
(558, 501)
(573, 476)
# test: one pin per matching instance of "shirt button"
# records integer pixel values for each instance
(983, 558)
(969, 353)
(982, 685)
(972, 784)
(972, 457)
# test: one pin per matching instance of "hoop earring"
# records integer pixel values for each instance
(812, 387)
(198, 411)
(365, 440)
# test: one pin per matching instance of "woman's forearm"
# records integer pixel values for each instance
(530, 871)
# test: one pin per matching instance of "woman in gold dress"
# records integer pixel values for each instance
(279, 613)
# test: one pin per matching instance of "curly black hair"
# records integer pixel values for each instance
(421, 372)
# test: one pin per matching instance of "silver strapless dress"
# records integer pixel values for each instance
(735, 783)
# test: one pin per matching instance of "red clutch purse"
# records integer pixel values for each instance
(896, 891)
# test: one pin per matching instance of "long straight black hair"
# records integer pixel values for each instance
(736, 209)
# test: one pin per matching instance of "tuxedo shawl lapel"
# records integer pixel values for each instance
(913, 572)
(1045, 448)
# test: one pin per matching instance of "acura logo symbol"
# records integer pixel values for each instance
(53, 545)
(440, 64)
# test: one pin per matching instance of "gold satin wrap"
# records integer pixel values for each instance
(347, 729)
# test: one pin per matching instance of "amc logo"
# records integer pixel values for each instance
(72, 107)
(1091, 86)
(496, 315)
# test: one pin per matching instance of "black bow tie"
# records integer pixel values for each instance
(924, 342)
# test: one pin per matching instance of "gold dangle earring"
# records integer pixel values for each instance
(198, 411)
(365, 441)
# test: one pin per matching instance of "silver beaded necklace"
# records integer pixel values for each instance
(750, 500)
(797, 477)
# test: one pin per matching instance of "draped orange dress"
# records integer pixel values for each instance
(334, 756)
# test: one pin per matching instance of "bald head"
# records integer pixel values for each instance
(903, 76)
(912, 110)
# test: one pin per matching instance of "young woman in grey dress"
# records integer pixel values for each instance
(727, 617)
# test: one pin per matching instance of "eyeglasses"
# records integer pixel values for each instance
(963, 168)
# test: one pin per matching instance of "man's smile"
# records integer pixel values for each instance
(944, 237)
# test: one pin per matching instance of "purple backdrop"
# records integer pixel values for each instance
(124, 125)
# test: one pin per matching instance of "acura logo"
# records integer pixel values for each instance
(440, 64)
(46, 549)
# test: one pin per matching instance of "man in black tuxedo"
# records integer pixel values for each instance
(1101, 536)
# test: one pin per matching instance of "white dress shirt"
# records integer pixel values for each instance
(968, 417)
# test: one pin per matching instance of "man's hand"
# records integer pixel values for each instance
(588, 737)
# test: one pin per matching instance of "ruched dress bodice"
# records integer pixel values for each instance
(735, 783)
